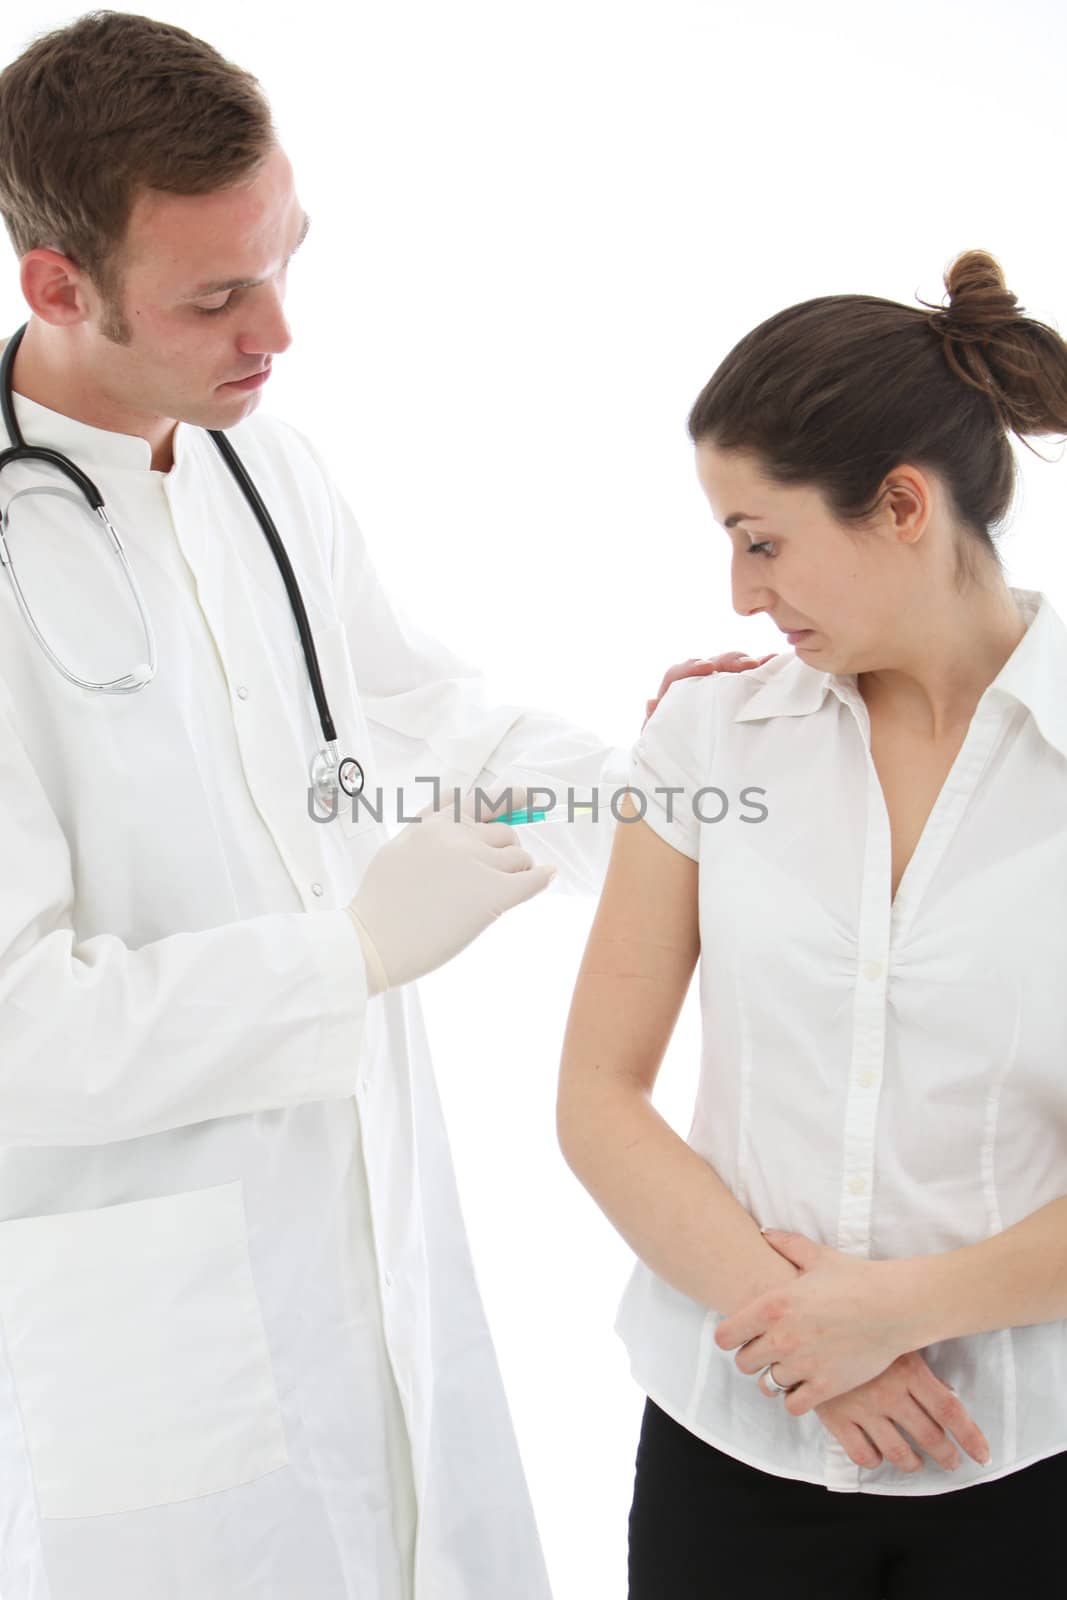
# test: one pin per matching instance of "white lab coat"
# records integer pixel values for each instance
(242, 1350)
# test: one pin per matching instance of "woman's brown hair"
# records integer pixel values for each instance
(96, 112)
(834, 393)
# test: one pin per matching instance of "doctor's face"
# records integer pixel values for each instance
(794, 561)
(177, 340)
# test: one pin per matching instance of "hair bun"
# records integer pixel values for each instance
(980, 302)
(983, 333)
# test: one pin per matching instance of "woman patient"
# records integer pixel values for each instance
(863, 840)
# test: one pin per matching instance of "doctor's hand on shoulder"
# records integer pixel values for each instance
(436, 886)
(700, 667)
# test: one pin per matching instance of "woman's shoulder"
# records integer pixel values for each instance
(721, 694)
(696, 718)
(687, 744)
(691, 725)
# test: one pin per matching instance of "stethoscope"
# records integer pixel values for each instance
(328, 770)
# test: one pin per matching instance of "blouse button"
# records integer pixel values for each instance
(873, 970)
(242, 692)
(316, 888)
(857, 1185)
(866, 1079)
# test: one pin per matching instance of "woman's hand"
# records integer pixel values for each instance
(867, 1421)
(840, 1323)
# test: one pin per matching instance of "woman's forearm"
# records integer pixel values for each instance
(1012, 1279)
(670, 1206)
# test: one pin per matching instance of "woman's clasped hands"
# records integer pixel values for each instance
(841, 1321)
(843, 1337)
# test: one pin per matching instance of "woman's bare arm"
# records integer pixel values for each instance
(666, 1201)
(669, 1204)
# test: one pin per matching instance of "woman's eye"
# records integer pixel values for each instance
(758, 549)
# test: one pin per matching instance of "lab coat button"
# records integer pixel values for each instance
(866, 1079)
(857, 1185)
(242, 692)
(316, 888)
(873, 970)
(388, 1280)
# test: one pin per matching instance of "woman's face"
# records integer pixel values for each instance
(792, 560)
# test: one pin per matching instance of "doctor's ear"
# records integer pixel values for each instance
(54, 288)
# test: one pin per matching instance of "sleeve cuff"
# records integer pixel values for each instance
(342, 969)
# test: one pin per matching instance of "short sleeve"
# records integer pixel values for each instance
(671, 762)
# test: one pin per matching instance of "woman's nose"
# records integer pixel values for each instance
(749, 595)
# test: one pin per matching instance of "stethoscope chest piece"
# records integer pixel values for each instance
(328, 774)
(350, 776)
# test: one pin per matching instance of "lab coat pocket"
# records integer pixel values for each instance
(139, 1353)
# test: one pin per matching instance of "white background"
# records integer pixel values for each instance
(537, 230)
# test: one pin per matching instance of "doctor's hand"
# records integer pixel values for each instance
(435, 887)
(728, 661)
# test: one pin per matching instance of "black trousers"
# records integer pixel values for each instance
(705, 1526)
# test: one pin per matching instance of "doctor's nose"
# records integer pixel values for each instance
(267, 330)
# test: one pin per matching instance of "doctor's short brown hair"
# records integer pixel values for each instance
(95, 113)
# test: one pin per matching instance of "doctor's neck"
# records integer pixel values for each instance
(56, 367)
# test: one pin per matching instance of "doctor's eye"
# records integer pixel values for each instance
(759, 549)
(213, 311)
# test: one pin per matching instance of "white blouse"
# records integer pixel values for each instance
(887, 1077)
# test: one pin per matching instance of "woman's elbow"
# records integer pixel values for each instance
(592, 1100)
(574, 1112)
(565, 1115)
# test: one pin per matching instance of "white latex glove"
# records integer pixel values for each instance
(436, 886)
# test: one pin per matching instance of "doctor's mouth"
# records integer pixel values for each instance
(255, 381)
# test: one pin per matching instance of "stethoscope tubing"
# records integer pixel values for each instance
(19, 450)
(285, 567)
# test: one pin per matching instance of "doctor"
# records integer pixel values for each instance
(242, 1351)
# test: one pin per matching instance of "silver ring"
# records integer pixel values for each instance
(779, 1388)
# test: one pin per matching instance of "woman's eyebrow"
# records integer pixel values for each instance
(740, 516)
